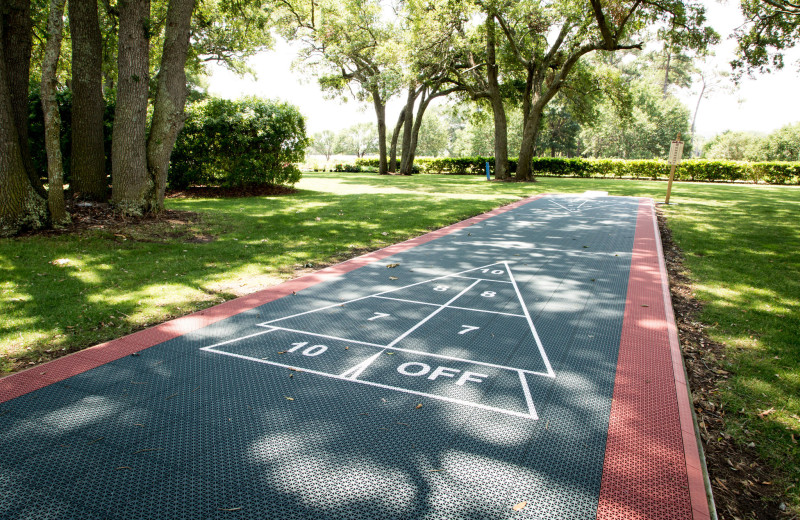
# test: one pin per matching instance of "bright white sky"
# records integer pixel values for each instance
(760, 104)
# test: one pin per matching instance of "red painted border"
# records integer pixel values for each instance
(21, 383)
(652, 465)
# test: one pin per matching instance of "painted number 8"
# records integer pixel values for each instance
(488, 294)
(440, 288)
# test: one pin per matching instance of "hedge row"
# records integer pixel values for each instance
(689, 170)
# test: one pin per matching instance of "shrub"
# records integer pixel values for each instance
(239, 143)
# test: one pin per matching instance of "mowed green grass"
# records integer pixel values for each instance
(741, 245)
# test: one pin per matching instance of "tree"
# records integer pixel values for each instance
(88, 162)
(547, 41)
(132, 186)
(360, 139)
(52, 118)
(771, 27)
(325, 143)
(734, 146)
(21, 205)
(350, 45)
(433, 135)
(170, 98)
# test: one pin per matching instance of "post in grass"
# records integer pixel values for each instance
(675, 154)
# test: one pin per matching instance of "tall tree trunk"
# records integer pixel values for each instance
(132, 185)
(17, 42)
(529, 132)
(20, 205)
(498, 110)
(697, 106)
(380, 112)
(666, 74)
(395, 138)
(52, 119)
(408, 127)
(170, 97)
(88, 162)
(412, 148)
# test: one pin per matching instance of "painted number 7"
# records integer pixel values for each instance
(378, 315)
(468, 328)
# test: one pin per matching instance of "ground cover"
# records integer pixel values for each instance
(63, 292)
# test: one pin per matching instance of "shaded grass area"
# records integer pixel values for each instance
(741, 245)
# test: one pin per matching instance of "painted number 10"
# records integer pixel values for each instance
(313, 350)
(494, 271)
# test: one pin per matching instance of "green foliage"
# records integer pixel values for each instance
(770, 29)
(781, 145)
(239, 143)
(688, 170)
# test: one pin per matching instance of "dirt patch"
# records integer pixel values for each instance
(168, 225)
(212, 192)
(744, 486)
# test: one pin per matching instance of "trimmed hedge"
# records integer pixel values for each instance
(239, 143)
(688, 170)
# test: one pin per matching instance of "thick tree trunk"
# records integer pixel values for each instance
(17, 42)
(395, 138)
(132, 186)
(529, 133)
(52, 119)
(408, 128)
(498, 110)
(170, 97)
(665, 86)
(380, 112)
(20, 205)
(88, 162)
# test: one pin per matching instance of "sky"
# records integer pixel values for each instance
(760, 104)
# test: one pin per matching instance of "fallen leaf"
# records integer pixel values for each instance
(282, 352)
(520, 506)
(393, 278)
(384, 233)
(766, 412)
(390, 266)
(229, 509)
(289, 398)
(419, 406)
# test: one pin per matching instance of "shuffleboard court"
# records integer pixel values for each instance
(523, 363)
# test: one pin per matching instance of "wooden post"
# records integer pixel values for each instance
(675, 153)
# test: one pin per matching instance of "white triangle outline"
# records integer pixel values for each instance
(538, 341)
(550, 199)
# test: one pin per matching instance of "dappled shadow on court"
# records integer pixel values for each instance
(180, 430)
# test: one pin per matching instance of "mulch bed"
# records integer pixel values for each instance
(744, 486)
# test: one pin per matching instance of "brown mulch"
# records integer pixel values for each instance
(744, 486)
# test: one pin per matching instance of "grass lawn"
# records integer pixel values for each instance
(66, 292)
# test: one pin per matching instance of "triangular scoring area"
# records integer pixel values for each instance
(571, 204)
(477, 315)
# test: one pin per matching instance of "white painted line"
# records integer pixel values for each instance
(379, 385)
(243, 337)
(530, 322)
(481, 279)
(431, 315)
(329, 337)
(398, 349)
(378, 294)
(527, 392)
(357, 370)
(451, 306)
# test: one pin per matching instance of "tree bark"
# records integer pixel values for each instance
(52, 119)
(380, 112)
(88, 162)
(395, 138)
(665, 86)
(170, 99)
(498, 110)
(529, 132)
(408, 127)
(132, 185)
(20, 205)
(17, 42)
